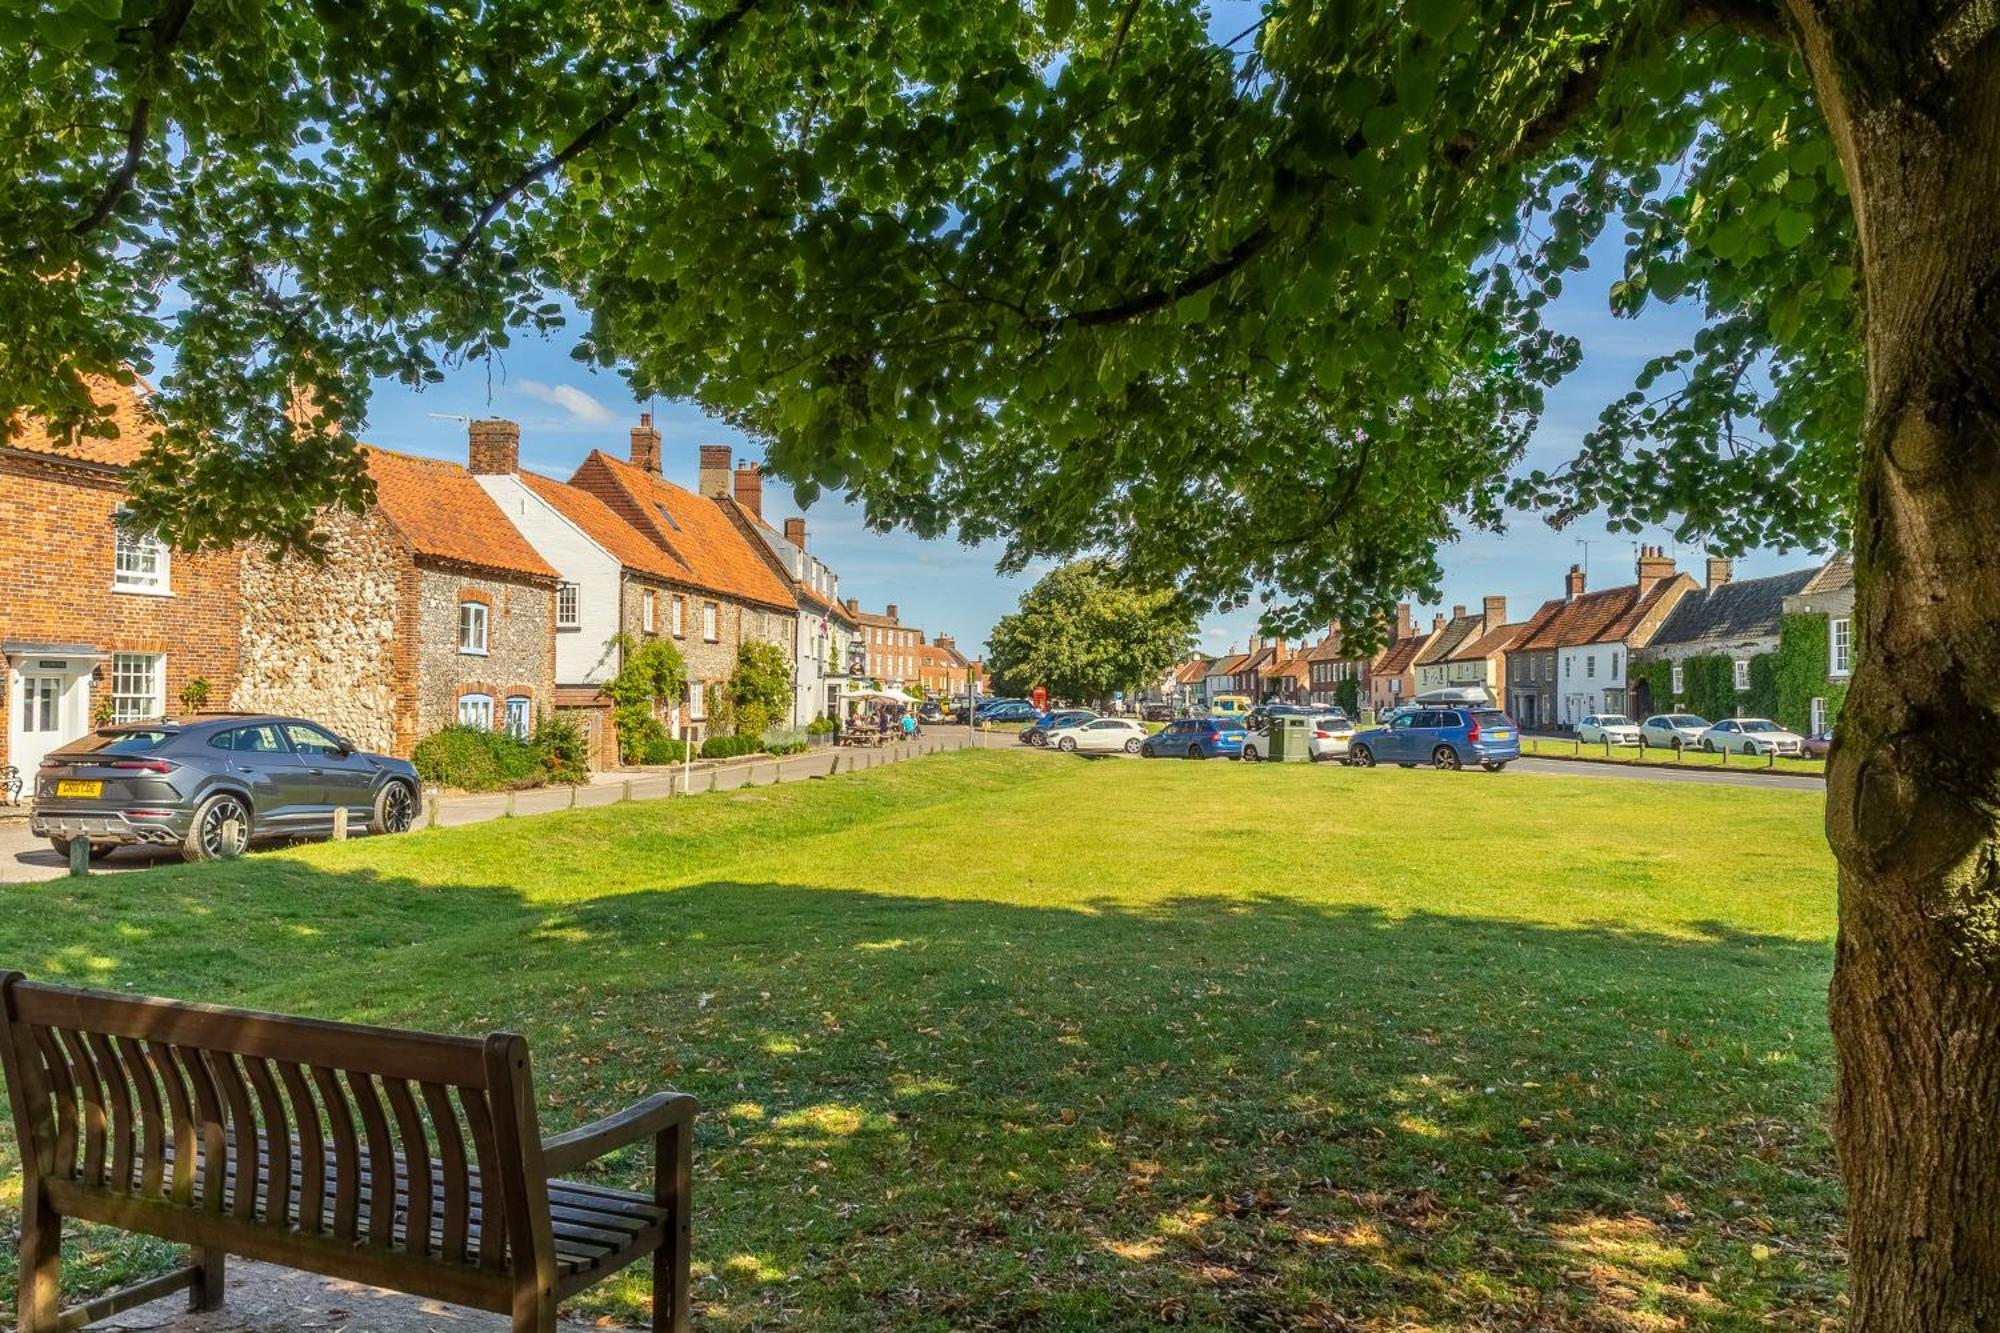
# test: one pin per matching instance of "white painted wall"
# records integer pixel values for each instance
(582, 654)
(1582, 690)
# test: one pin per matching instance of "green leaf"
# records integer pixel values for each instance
(1792, 227)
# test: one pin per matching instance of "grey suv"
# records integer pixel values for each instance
(211, 785)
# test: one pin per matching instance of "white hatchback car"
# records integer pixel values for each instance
(1670, 731)
(1331, 734)
(1614, 727)
(1100, 735)
(1752, 735)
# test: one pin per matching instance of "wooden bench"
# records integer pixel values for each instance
(400, 1159)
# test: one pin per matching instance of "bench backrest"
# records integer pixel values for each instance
(232, 1113)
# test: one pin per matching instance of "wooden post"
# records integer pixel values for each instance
(79, 857)
(627, 790)
(1607, 745)
(509, 812)
(340, 823)
(431, 800)
(231, 831)
(572, 796)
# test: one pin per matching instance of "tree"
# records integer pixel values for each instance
(1086, 635)
(650, 677)
(760, 688)
(1257, 317)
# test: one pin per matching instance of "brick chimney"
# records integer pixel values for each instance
(493, 447)
(750, 488)
(889, 611)
(1458, 613)
(795, 532)
(1437, 624)
(1719, 570)
(1573, 585)
(854, 606)
(1404, 626)
(1496, 612)
(646, 445)
(947, 643)
(1655, 567)
(712, 478)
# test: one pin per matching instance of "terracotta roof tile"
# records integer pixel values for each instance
(696, 532)
(443, 513)
(608, 530)
(129, 416)
(1499, 640)
(1601, 617)
(1191, 671)
(1229, 665)
(1401, 655)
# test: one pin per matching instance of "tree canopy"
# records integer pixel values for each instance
(1082, 276)
(1087, 633)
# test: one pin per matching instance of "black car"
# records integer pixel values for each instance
(213, 785)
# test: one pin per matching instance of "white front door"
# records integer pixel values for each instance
(48, 705)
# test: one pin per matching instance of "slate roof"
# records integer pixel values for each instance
(1608, 616)
(1455, 632)
(608, 530)
(443, 513)
(1227, 666)
(129, 417)
(694, 530)
(1747, 608)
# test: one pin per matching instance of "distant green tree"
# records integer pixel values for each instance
(1086, 634)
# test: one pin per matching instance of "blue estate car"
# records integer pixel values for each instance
(1441, 737)
(1037, 732)
(1197, 738)
(1008, 710)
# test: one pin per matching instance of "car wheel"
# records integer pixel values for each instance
(1361, 757)
(1067, 744)
(1194, 752)
(205, 839)
(1750, 748)
(395, 809)
(1132, 746)
(1249, 754)
(1444, 759)
(1707, 745)
(98, 850)
(1493, 768)
(1146, 751)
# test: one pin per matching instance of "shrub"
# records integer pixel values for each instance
(564, 754)
(820, 726)
(729, 747)
(474, 759)
(651, 675)
(663, 750)
(752, 718)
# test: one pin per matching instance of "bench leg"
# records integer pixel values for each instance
(532, 1314)
(206, 1292)
(41, 1263)
(673, 1172)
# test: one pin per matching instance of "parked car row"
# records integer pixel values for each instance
(1674, 731)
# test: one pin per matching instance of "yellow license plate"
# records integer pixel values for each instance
(1503, 735)
(79, 789)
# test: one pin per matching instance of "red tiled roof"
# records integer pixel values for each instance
(129, 417)
(1600, 617)
(1400, 655)
(442, 512)
(695, 531)
(1229, 665)
(1191, 671)
(608, 530)
(1499, 640)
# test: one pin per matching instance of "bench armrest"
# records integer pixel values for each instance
(661, 1111)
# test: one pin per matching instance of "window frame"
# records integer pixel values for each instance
(482, 707)
(1839, 646)
(484, 623)
(711, 622)
(1677, 679)
(677, 616)
(1740, 673)
(527, 716)
(156, 699)
(649, 616)
(158, 582)
(569, 606)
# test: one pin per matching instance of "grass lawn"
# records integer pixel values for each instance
(1008, 1040)
(1652, 755)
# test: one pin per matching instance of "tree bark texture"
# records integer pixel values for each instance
(1911, 89)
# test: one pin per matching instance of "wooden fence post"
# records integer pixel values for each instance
(431, 802)
(509, 812)
(340, 823)
(231, 831)
(627, 790)
(79, 858)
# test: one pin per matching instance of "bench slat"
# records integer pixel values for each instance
(416, 1151)
(457, 1217)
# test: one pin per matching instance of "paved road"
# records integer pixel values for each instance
(25, 858)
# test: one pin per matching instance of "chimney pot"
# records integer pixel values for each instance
(795, 532)
(712, 476)
(1437, 623)
(1495, 610)
(854, 606)
(493, 447)
(750, 489)
(1655, 566)
(646, 445)
(1720, 570)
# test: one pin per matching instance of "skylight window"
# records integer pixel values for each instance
(667, 516)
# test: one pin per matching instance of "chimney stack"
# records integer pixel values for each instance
(750, 488)
(493, 447)
(890, 612)
(1573, 586)
(854, 606)
(1405, 627)
(1437, 624)
(712, 478)
(1458, 613)
(1496, 613)
(947, 643)
(1719, 571)
(795, 532)
(646, 445)
(1655, 567)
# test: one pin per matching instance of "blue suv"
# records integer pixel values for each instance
(1446, 738)
(1197, 738)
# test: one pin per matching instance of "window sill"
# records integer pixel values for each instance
(569, 629)
(473, 652)
(141, 592)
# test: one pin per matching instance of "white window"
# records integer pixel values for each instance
(1817, 711)
(138, 687)
(646, 621)
(1678, 685)
(520, 716)
(472, 632)
(697, 701)
(567, 616)
(139, 562)
(1590, 665)
(708, 621)
(1841, 650)
(1614, 666)
(679, 609)
(1742, 674)
(476, 710)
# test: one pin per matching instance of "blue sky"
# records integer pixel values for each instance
(565, 410)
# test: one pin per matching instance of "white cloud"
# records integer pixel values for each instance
(580, 405)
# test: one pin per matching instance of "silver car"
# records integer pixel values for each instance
(213, 785)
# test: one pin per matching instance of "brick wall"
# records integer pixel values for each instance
(520, 655)
(56, 565)
(320, 639)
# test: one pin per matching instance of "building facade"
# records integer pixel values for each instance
(889, 646)
(1586, 641)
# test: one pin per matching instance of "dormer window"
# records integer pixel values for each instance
(140, 561)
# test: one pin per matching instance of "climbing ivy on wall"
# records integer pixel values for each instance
(1802, 664)
(1761, 699)
(1708, 686)
(1658, 678)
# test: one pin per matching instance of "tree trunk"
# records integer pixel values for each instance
(1912, 92)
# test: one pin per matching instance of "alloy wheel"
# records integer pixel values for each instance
(213, 821)
(1444, 759)
(399, 809)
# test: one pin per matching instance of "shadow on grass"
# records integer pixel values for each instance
(928, 1113)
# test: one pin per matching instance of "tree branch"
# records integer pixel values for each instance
(1124, 27)
(585, 140)
(166, 31)
(1145, 303)
(1752, 18)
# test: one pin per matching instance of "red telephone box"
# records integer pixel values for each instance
(1041, 697)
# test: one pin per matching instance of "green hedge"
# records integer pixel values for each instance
(663, 750)
(474, 759)
(729, 747)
